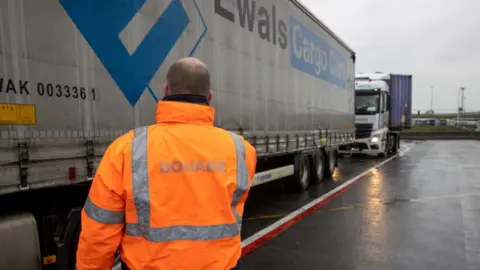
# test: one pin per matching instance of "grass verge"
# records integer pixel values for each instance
(434, 129)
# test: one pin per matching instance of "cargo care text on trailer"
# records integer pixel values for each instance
(308, 52)
(282, 79)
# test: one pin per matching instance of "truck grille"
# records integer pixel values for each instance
(363, 131)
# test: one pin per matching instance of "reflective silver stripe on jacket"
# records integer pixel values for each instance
(173, 233)
(102, 215)
(242, 176)
(141, 198)
(141, 195)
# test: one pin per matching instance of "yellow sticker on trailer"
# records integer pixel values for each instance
(323, 137)
(17, 114)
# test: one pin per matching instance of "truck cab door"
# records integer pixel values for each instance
(384, 112)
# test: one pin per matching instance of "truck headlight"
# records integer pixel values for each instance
(374, 139)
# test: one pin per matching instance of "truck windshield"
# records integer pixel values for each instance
(366, 104)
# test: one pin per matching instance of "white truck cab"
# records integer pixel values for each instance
(372, 116)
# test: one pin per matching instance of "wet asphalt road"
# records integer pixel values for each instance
(420, 211)
(270, 202)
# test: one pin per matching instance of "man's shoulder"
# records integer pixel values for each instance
(225, 132)
(121, 143)
(248, 146)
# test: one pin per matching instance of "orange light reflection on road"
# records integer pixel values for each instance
(337, 176)
(374, 229)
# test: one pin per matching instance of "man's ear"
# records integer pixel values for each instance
(166, 90)
(210, 96)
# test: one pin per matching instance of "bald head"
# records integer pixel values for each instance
(188, 76)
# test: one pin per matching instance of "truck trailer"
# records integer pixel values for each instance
(75, 75)
(383, 108)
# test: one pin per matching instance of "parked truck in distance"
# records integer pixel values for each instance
(78, 74)
(383, 105)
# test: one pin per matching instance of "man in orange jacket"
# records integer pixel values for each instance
(170, 195)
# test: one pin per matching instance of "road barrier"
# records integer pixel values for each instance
(452, 135)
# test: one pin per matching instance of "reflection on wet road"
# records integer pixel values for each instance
(420, 211)
(270, 202)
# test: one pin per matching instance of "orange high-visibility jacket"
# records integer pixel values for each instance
(169, 196)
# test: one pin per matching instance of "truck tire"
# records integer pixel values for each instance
(396, 144)
(318, 167)
(301, 179)
(330, 163)
(66, 238)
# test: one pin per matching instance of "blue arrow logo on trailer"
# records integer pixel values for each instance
(101, 23)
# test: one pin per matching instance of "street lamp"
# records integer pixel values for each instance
(461, 108)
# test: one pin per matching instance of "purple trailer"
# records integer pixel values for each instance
(401, 101)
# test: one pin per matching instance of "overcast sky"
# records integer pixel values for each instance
(437, 41)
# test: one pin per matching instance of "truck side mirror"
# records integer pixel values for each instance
(389, 103)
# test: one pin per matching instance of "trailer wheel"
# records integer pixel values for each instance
(396, 144)
(318, 167)
(331, 163)
(301, 179)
